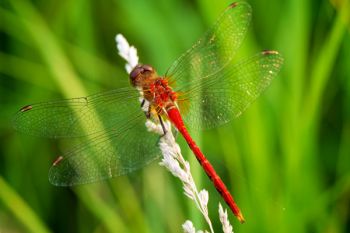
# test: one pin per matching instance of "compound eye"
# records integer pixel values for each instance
(147, 68)
(136, 72)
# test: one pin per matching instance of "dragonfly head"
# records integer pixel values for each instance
(141, 74)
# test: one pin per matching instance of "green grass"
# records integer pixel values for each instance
(286, 160)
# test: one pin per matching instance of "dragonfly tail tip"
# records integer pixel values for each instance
(240, 218)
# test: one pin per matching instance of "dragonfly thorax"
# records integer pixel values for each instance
(161, 93)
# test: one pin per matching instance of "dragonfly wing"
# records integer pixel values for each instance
(109, 154)
(214, 49)
(78, 116)
(216, 99)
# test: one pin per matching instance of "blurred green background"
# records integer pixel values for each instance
(286, 160)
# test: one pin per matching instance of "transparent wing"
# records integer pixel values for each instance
(215, 99)
(109, 154)
(110, 133)
(216, 48)
(78, 116)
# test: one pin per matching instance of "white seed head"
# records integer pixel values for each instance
(204, 197)
(173, 166)
(226, 226)
(188, 227)
(153, 127)
(188, 191)
(129, 53)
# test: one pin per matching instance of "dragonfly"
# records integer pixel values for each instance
(203, 88)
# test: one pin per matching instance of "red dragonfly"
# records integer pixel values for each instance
(202, 89)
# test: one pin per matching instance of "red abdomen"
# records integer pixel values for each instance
(176, 119)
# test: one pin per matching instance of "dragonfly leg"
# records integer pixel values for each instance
(162, 124)
(143, 103)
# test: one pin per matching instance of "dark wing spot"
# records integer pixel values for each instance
(57, 160)
(234, 4)
(26, 108)
(269, 52)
